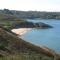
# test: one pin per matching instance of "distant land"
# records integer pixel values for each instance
(32, 14)
(9, 20)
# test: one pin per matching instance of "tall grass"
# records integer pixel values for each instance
(26, 56)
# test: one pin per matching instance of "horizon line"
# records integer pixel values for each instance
(30, 10)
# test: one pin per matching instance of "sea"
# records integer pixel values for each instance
(44, 37)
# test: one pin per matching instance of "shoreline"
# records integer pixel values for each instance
(20, 31)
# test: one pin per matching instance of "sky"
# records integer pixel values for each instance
(28, 5)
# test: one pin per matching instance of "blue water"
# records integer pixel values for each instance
(45, 37)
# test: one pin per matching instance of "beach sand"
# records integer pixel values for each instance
(20, 31)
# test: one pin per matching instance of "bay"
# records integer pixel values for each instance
(45, 37)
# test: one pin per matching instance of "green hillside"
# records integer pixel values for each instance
(32, 14)
(10, 21)
(7, 20)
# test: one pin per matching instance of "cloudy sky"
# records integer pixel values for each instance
(35, 5)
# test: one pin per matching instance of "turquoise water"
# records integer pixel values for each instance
(45, 37)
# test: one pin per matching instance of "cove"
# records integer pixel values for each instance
(45, 37)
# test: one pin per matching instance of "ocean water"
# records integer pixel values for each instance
(45, 37)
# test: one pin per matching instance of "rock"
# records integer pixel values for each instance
(31, 25)
(42, 25)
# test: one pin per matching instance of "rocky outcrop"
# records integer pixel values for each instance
(31, 25)
(42, 25)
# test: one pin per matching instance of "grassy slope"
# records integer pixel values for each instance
(12, 47)
(7, 20)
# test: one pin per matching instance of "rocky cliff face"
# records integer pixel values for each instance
(26, 24)
(10, 44)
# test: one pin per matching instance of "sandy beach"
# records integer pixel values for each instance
(20, 31)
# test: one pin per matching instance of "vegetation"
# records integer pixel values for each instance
(7, 20)
(37, 14)
(32, 14)
(27, 57)
(10, 21)
(14, 48)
